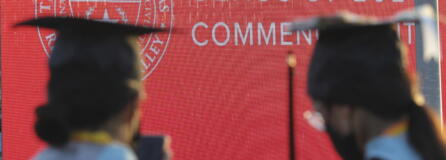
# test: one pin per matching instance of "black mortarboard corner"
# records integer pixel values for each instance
(358, 60)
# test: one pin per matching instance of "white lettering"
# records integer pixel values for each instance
(153, 48)
(261, 33)
(409, 25)
(194, 34)
(62, 8)
(283, 33)
(163, 6)
(43, 7)
(214, 34)
(307, 36)
(51, 38)
(148, 15)
(151, 59)
(244, 38)
(145, 65)
(242, 34)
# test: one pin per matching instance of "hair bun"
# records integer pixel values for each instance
(51, 126)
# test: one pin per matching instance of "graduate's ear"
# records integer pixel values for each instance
(132, 112)
(127, 114)
(130, 121)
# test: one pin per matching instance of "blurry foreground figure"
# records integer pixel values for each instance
(369, 103)
(94, 90)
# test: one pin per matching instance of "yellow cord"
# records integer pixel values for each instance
(397, 128)
(99, 137)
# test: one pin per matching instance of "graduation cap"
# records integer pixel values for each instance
(92, 45)
(92, 57)
(423, 15)
(87, 26)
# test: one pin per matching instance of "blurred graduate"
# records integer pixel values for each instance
(362, 93)
(94, 90)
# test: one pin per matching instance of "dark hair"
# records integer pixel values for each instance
(364, 67)
(89, 84)
(424, 135)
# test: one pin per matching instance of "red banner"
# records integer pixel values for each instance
(217, 84)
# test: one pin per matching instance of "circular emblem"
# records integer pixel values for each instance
(150, 13)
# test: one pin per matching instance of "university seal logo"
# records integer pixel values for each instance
(151, 13)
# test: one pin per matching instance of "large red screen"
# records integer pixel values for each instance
(217, 83)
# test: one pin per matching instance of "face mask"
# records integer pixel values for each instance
(346, 146)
